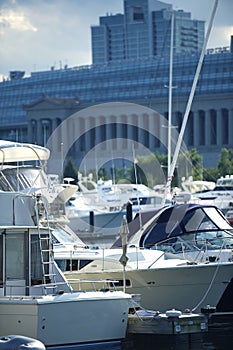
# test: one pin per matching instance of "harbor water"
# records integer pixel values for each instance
(219, 339)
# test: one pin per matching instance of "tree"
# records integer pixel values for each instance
(225, 162)
(70, 170)
(197, 168)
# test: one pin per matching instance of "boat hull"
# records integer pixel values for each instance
(181, 287)
(63, 319)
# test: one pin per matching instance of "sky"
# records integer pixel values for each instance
(36, 35)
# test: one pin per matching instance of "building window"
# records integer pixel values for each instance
(137, 14)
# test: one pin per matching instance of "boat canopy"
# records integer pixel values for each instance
(151, 228)
(22, 152)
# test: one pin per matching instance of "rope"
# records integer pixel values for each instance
(208, 289)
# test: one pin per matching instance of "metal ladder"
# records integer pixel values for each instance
(46, 252)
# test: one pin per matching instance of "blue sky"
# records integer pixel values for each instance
(35, 35)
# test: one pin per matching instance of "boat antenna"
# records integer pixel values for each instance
(62, 161)
(186, 115)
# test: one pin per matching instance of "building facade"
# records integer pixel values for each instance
(32, 107)
(144, 30)
(87, 107)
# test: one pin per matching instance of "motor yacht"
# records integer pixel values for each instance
(178, 256)
(36, 300)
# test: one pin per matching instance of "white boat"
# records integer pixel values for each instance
(197, 232)
(221, 195)
(194, 186)
(97, 214)
(36, 301)
(190, 277)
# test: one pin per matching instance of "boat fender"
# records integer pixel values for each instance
(18, 342)
(143, 312)
(173, 313)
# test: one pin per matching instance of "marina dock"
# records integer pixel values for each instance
(170, 323)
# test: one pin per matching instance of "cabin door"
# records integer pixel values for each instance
(16, 263)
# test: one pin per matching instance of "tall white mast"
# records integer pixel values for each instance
(181, 134)
(170, 96)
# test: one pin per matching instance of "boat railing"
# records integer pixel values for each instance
(106, 284)
(16, 289)
(199, 248)
(81, 285)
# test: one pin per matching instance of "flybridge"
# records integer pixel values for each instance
(14, 152)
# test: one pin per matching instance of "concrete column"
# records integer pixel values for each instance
(119, 133)
(39, 133)
(89, 123)
(98, 122)
(108, 128)
(230, 130)
(131, 130)
(55, 141)
(54, 124)
(142, 122)
(207, 128)
(30, 140)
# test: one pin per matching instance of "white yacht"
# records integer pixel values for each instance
(36, 301)
(176, 257)
(97, 213)
(221, 195)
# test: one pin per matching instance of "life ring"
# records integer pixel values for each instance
(18, 342)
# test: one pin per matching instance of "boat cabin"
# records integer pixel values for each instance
(26, 264)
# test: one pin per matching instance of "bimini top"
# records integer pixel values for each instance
(21, 152)
(154, 227)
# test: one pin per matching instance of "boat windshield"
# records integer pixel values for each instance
(64, 235)
(21, 178)
(198, 229)
(207, 218)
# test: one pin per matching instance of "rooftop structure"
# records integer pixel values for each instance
(144, 30)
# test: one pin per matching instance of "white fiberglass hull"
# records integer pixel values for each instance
(63, 319)
(180, 287)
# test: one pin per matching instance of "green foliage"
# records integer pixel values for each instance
(70, 170)
(225, 162)
(211, 174)
(102, 174)
(149, 170)
(196, 161)
(152, 170)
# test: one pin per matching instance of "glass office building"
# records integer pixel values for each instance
(144, 30)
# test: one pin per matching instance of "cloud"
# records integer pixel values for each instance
(220, 36)
(11, 19)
